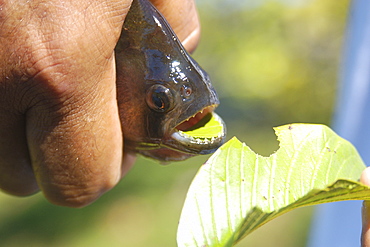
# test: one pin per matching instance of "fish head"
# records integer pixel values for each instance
(162, 92)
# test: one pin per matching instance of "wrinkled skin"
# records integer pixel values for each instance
(60, 130)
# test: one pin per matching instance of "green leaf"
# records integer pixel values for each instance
(236, 191)
(210, 126)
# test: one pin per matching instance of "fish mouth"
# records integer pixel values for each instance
(202, 133)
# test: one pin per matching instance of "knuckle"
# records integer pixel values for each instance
(70, 195)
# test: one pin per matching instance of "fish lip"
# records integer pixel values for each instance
(182, 142)
(178, 146)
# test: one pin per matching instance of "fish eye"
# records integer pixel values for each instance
(159, 98)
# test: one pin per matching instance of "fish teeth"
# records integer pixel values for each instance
(199, 141)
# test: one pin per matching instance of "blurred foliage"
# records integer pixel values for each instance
(272, 62)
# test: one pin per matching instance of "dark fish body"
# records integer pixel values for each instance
(159, 87)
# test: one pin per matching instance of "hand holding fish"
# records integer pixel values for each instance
(365, 236)
(60, 129)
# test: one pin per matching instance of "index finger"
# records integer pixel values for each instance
(183, 18)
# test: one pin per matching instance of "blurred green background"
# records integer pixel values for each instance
(272, 63)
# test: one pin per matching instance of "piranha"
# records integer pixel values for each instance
(166, 99)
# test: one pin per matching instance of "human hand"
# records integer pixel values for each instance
(365, 235)
(59, 129)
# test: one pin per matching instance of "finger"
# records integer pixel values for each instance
(365, 235)
(76, 144)
(127, 163)
(16, 175)
(365, 176)
(183, 18)
(73, 129)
